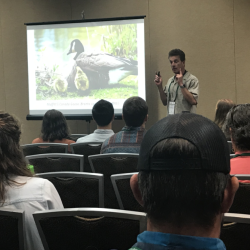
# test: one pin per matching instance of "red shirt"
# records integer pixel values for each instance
(240, 165)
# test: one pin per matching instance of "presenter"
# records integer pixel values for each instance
(182, 90)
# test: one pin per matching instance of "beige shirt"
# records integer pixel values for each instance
(181, 104)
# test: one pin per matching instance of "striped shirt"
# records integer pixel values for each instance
(128, 140)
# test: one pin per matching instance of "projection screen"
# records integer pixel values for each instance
(72, 65)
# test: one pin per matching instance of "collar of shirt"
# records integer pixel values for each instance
(187, 242)
(242, 152)
(126, 128)
(104, 131)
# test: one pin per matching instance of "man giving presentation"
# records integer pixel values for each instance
(182, 90)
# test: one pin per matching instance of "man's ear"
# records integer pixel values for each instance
(113, 118)
(146, 118)
(135, 189)
(229, 193)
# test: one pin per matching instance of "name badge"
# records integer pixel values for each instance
(171, 106)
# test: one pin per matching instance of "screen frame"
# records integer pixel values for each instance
(118, 116)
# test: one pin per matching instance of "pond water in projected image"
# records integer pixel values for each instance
(53, 63)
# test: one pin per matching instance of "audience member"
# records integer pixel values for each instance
(103, 115)
(183, 184)
(221, 110)
(238, 123)
(54, 129)
(128, 140)
(18, 189)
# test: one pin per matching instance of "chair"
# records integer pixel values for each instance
(74, 137)
(44, 148)
(89, 228)
(235, 234)
(56, 162)
(78, 189)
(230, 146)
(109, 164)
(11, 229)
(123, 192)
(86, 149)
(232, 156)
(241, 202)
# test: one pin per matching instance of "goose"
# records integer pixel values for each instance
(102, 68)
(60, 84)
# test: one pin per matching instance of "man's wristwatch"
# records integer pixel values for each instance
(183, 86)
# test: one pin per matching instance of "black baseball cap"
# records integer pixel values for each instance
(204, 134)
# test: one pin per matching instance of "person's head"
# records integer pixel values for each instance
(184, 167)
(54, 126)
(238, 125)
(221, 110)
(12, 161)
(103, 113)
(177, 60)
(135, 111)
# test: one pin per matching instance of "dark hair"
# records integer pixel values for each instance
(54, 126)
(181, 197)
(103, 112)
(177, 52)
(134, 111)
(238, 123)
(12, 161)
(222, 108)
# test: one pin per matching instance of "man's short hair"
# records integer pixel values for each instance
(237, 124)
(184, 167)
(134, 111)
(183, 196)
(103, 112)
(177, 52)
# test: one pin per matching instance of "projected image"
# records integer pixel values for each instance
(86, 62)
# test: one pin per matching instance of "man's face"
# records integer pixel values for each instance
(177, 64)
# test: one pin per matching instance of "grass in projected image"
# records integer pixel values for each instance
(104, 66)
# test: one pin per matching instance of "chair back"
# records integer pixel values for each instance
(78, 189)
(74, 137)
(123, 192)
(235, 231)
(86, 149)
(89, 228)
(110, 164)
(44, 148)
(232, 156)
(230, 147)
(56, 162)
(11, 229)
(241, 203)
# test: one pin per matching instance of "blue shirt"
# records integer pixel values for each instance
(162, 241)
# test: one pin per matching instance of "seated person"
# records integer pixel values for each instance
(221, 110)
(128, 140)
(238, 123)
(54, 129)
(19, 189)
(103, 115)
(183, 184)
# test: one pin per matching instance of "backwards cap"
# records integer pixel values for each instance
(205, 135)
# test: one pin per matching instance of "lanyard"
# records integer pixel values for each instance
(243, 154)
(176, 94)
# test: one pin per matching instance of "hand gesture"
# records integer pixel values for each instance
(179, 78)
(158, 79)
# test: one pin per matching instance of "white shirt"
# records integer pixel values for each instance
(99, 135)
(36, 194)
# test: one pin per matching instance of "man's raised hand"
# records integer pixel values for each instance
(179, 78)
